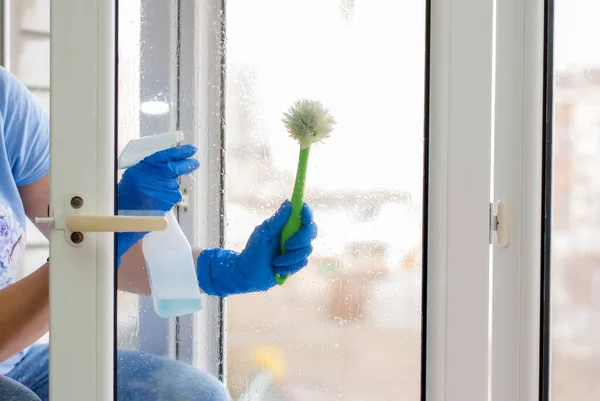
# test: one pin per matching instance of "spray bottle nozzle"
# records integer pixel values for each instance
(138, 149)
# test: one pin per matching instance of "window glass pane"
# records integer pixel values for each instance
(575, 258)
(347, 326)
(147, 99)
(128, 103)
(149, 358)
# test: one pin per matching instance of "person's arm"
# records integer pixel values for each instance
(24, 318)
(36, 198)
(132, 275)
(25, 130)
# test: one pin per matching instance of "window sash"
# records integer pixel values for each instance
(518, 158)
(83, 76)
(201, 118)
(459, 126)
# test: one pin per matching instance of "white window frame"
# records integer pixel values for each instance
(460, 120)
(83, 76)
(158, 76)
(518, 151)
(201, 336)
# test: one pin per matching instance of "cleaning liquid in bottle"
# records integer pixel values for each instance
(172, 271)
(169, 260)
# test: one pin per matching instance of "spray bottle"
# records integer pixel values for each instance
(168, 255)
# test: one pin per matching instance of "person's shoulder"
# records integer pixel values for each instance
(25, 130)
(5, 85)
(16, 102)
(4, 74)
(10, 91)
(8, 81)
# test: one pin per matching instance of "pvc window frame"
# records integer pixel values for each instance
(456, 296)
(83, 125)
(519, 142)
(159, 81)
(201, 337)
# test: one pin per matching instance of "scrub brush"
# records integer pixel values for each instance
(308, 122)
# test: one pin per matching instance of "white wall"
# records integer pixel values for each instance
(30, 46)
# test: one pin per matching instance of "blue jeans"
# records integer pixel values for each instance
(140, 377)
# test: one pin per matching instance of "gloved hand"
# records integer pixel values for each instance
(222, 272)
(152, 186)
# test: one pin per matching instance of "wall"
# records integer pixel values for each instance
(30, 46)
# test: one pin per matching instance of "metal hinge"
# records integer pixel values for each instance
(500, 223)
(184, 205)
(187, 183)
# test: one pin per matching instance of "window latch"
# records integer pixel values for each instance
(500, 223)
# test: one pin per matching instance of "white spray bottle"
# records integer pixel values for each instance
(169, 260)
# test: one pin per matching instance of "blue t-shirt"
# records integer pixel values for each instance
(24, 159)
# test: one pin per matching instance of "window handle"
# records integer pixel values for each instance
(98, 224)
(73, 220)
(117, 224)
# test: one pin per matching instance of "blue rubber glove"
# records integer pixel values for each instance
(223, 272)
(152, 186)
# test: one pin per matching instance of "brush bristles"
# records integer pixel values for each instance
(308, 122)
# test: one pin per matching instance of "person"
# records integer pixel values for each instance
(152, 184)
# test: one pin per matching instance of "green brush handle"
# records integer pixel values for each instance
(295, 221)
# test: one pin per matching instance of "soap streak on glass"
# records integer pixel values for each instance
(348, 327)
